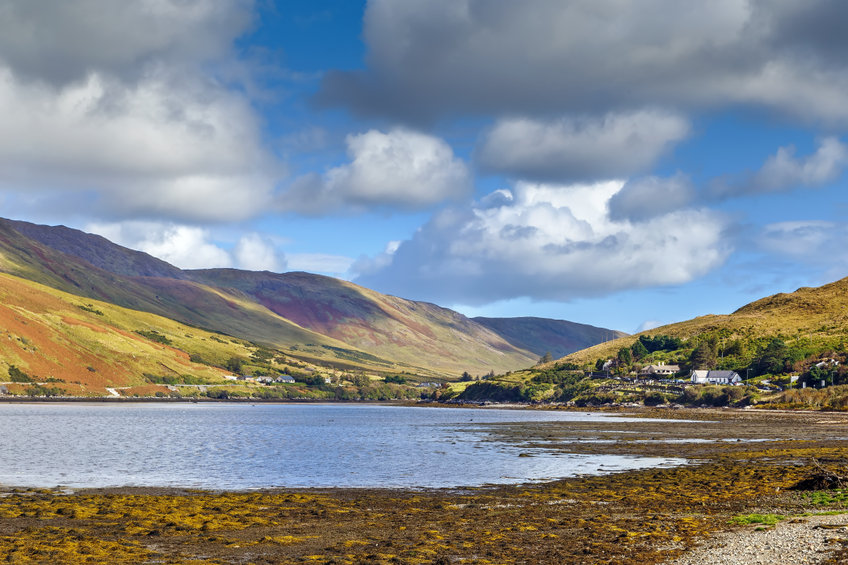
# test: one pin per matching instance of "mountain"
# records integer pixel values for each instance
(182, 300)
(319, 319)
(394, 328)
(81, 347)
(543, 335)
(316, 318)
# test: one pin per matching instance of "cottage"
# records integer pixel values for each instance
(285, 379)
(661, 370)
(716, 377)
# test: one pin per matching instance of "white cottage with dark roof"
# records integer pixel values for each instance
(715, 377)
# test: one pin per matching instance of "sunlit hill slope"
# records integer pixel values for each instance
(313, 318)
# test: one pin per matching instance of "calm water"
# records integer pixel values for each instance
(238, 446)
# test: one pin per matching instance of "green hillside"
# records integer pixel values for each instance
(778, 345)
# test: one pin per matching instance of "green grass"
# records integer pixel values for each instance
(826, 497)
(764, 519)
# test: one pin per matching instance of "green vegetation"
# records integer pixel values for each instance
(18, 376)
(90, 308)
(792, 351)
(764, 519)
(396, 379)
(826, 497)
(177, 380)
(154, 335)
(40, 390)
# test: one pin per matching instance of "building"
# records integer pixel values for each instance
(661, 370)
(285, 379)
(715, 377)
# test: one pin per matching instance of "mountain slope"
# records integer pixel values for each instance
(441, 341)
(183, 300)
(817, 317)
(398, 329)
(324, 319)
(81, 347)
(543, 335)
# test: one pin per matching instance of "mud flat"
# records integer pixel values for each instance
(743, 464)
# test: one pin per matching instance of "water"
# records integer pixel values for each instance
(239, 446)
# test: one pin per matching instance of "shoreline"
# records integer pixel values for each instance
(642, 517)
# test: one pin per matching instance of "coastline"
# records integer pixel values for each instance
(639, 517)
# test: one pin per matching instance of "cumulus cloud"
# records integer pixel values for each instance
(109, 101)
(648, 197)
(431, 58)
(402, 169)
(547, 242)
(193, 247)
(614, 146)
(784, 171)
(186, 247)
(256, 253)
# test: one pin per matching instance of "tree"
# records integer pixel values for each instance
(234, 365)
(773, 358)
(638, 350)
(705, 355)
(624, 356)
(466, 376)
(546, 358)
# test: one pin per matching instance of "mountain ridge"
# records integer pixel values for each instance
(331, 316)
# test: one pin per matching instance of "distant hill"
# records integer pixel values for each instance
(544, 335)
(784, 341)
(814, 317)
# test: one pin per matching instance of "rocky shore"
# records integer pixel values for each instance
(743, 464)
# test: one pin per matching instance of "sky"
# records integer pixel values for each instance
(608, 162)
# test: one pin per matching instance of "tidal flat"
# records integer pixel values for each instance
(740, 463)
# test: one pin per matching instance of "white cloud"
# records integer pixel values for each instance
(401, 168)
(256, 253)
(816, 241)
(548, 242)
(110, 103)
(568, 149)
(784, 171)
(186, 247)
(435, 58)
(648, 197)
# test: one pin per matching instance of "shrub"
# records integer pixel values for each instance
(18, 376)
(155, 336)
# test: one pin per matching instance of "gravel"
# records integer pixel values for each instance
(793, 541)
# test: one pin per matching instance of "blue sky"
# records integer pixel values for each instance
(609, 163)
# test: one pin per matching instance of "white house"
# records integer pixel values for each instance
(285, 379)
(716, 377)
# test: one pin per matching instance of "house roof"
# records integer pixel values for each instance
(714, 374)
